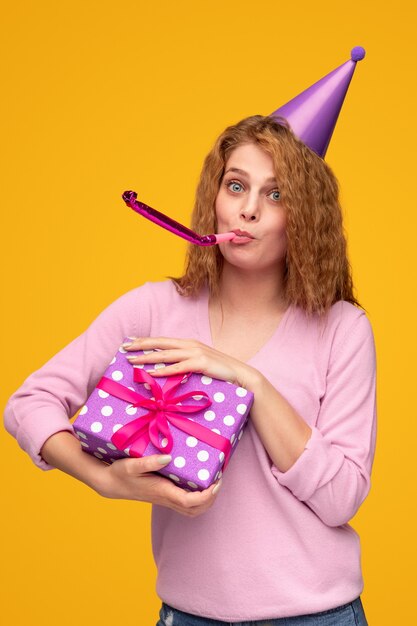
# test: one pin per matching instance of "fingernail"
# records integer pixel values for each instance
(127, 344)
(217, 487)
(131, 357)
(164, 459)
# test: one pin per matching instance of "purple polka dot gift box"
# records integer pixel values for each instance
(196, 419)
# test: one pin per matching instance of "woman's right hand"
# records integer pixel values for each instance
(129, 479)
(133, 479)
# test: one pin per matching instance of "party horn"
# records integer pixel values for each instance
(130, 197)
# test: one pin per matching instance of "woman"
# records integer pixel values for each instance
(272, 311)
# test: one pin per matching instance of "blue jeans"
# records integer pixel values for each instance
(351, 614)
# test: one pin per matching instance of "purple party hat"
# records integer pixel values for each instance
(313, 114)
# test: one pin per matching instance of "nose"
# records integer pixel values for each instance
(250, 211)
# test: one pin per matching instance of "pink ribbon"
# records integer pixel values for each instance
(163, 409)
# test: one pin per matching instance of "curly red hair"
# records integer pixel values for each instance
(318, 272)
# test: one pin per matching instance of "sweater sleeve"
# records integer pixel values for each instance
(332, 475)
(49, 397)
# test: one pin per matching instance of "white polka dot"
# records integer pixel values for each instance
(174, 477)
(179, 461)
(241, 392)
(102, 393)
(203, 474)
(113, 361)
(122, 350)
(218, 397)
(98, 455)
(84, 410)
(147, 386)
(240, 434)
(117, 375)
(164, 442)
(84, 444)
(185, 379)
(159, 366)
(232, 438)
(241, 409)
(191, 442)
(80, 434)
(193, 485)
(203, 455)
(96, 427)
(209, 416)
(216, 430)
(206, 380)
(111, 446)
(197, 397)
(102, 450)
(116, 427)
(139, 366)
(229, 420)
(221, 457)
(131, 388)
(131, 410)
(127, 451)
(106, 410)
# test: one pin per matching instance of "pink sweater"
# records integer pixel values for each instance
(274, 544)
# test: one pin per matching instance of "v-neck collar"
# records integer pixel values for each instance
(204, 329)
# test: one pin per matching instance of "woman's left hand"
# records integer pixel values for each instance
(189, 355)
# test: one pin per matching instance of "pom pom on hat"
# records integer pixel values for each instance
(357, 53)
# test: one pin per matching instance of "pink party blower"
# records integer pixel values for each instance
(175, 227)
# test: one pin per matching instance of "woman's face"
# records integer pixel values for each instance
(249, 200)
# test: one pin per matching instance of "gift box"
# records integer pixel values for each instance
(197, 419)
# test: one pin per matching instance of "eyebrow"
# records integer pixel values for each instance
(238, 171)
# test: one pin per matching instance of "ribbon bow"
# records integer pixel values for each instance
(163, 409)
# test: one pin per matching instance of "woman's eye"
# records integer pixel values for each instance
(237, 187)
(275, 193)
(233, 184)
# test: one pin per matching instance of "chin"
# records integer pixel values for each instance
(251, 264)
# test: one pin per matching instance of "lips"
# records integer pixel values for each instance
(242, 233)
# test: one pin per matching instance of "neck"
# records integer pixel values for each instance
(251, 293)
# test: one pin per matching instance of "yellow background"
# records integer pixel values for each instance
(99, 97)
